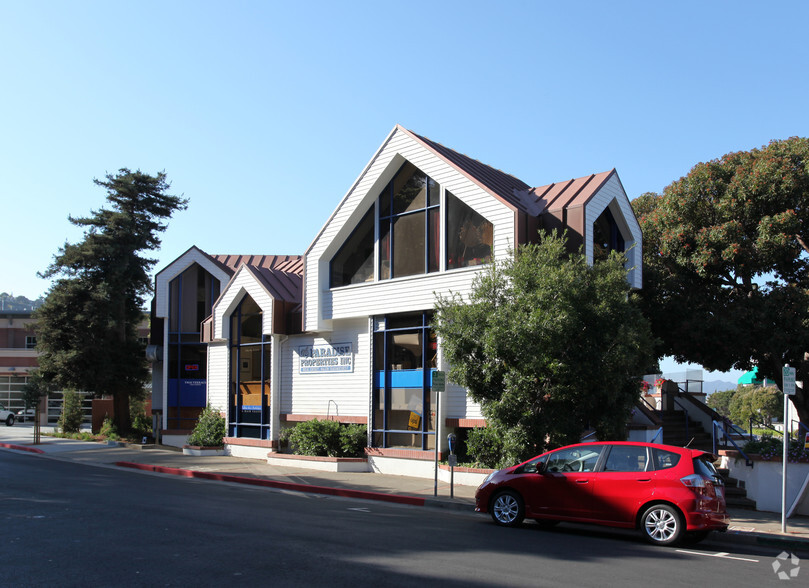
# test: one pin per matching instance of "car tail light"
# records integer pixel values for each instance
(699, 485)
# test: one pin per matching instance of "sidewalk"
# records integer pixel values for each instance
(747, 527)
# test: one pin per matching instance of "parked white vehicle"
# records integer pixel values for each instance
(6, 416)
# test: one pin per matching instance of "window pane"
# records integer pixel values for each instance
(626, 458)
(470, 237)
(406, 351)
(408, 245)
(409, 189)
(433, 239)
(354, 262)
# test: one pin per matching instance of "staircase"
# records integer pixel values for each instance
(676, 432)
(735, 496)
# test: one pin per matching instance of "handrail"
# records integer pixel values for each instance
(659, 432)
(765, 425)
(648, 404)
(715, 424)
(800, 426)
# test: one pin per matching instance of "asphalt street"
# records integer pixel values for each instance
(70, 524)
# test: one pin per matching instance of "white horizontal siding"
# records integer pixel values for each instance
(319, 304)
(346, 394)
(244, 282)
(612, 192)
(175, 268)
(218, 375)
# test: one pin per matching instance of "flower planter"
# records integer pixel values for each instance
(198, 450)
(323, 464)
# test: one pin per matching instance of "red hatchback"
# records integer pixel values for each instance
(669, 493)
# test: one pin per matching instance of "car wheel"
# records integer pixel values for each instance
(10, 420)
(662, 524)
(508, 509)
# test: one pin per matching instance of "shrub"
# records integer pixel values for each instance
(485, 447)
(769, 447)
(71, 417)
(210, 429)
(327, 438)
(108, 430)
(141, 424)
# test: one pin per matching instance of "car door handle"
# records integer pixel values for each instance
(645, 480)
(582, 481)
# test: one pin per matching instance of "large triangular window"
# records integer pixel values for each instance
(469, 235)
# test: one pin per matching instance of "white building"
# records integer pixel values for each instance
(344, 332)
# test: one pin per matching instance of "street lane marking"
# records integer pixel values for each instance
(360, 509)
(721, 554)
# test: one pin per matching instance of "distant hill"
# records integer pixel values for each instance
(19, 303)
(717, 386)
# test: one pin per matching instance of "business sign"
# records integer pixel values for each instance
(318, 359)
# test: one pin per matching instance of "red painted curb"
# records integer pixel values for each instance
(344, 492)
(21, 448)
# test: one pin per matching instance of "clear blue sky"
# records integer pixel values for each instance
(264, 113)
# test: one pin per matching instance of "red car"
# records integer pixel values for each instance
(669, 493)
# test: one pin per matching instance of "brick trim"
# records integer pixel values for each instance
(403, 453)
(249, 442)
(299, 418)
(465, 423)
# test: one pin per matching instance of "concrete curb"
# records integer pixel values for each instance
(21, 448)
(311, 489)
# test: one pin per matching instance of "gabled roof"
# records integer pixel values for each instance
(515, 192)
(281, 275)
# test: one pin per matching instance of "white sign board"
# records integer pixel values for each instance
(789, 380)
(318, 359)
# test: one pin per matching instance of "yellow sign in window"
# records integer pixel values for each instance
(415, 421)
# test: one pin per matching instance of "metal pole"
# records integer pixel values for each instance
(437, 421)
(784, 467)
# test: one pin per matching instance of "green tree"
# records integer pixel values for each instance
(720, 401)
(549, 346)
(86, 327)
(726, 263)
(756, 402)
(71, 417)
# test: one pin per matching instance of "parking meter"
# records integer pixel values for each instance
(451, 440)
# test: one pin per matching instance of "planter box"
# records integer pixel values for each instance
(200, 451)
(323, 464)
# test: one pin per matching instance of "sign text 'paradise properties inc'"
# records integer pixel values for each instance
(337, 357)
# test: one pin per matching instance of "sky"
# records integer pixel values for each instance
(263, 113)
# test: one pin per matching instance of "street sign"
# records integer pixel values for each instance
(789, 380)
(439, 381)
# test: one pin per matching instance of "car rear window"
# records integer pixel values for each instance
(704, 467)
(664, 459)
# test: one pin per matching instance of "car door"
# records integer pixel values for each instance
(563, 486)
(624, 483)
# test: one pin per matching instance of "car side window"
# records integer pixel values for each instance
(664, 459)
(627, 458)
(574, 459)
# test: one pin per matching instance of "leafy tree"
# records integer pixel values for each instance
(35, 389)
(71, 417)
(726, 263)
(549, 346)
(756, 402)
(720, 401)
(86, 327)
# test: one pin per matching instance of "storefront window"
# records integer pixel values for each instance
(191, 297)
(404, 360)
(469, 235)
(250, 363)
